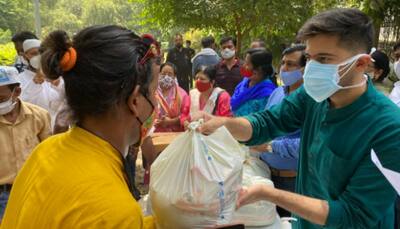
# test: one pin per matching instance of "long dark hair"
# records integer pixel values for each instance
(106, 71)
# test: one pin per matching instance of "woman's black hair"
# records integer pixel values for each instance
(209, 71)
(107, 68)
(381, 62)
(262, 62)
(173, 66)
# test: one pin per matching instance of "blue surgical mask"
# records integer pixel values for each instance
(322, 80)
(290, 78)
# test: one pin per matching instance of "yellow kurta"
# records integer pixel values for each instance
(73, 180)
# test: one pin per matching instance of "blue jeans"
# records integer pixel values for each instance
(3, 202)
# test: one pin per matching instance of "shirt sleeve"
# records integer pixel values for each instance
(195, 65)
(185, 109)
(285, 117)
(45, 132)
(286, 147)
(224, 105)
(169, 56)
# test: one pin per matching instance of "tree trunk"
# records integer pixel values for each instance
(239, 37)
(377, 26)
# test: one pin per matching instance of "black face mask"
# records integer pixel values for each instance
(178, 45)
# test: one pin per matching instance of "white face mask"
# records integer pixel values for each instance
(227, 53)
(7, 106)
(397, 68)
(35, 62)
(322, 80)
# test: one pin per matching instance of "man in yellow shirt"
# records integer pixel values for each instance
(81, 178)
(22, 127)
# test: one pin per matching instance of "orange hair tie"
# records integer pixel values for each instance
(68, 61)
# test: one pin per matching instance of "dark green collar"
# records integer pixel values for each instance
(361, 102)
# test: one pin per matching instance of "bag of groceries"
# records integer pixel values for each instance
(261, 213)
(196, 180)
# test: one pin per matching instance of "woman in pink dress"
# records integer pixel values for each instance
(173, 101)
(206, 97)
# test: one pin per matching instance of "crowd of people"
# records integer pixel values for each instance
(74, 114)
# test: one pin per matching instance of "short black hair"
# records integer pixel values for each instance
(353, 27)
(297, 48)
(210, 71)
(101, 76)
(207, 42)
(188, 42)
(254, 50)
(260, 41)
(396, 46)
(22, 36)
(173, 66)
(381, 61)
(227, 39)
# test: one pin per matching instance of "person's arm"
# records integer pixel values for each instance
(194, 66)
(185, 110)
(224, 105)
(261, 127)
(311, 209)
(365, 200)
(45, 132)
(169, 56)
(286, 147)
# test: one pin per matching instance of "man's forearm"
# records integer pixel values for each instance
(240, 128)
(311, 209)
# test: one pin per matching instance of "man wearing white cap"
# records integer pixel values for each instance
(34, 87)
(22, 127)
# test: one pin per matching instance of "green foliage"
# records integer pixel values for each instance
(7, 54)
(5, 36)
(274, 21)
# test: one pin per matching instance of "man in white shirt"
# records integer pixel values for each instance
(35, 89)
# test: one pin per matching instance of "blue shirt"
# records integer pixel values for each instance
(285, 150)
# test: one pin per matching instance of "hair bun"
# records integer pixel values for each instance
(54, 48)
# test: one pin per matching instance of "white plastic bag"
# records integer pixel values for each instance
(196, 179)
(261, 213)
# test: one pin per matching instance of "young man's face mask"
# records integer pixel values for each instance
(322, 80)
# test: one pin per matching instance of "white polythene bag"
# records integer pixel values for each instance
(196, 180)
(261, 213)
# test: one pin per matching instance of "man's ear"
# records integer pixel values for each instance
(379, 72)
(132, 101)
(363, 63)
(302, 69)
(17, 92)
(25, 56)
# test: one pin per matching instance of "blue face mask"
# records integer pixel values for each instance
(290, 78)
(322, 80)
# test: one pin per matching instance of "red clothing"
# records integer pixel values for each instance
(221, 108)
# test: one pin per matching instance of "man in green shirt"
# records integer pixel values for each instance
(342, 118)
